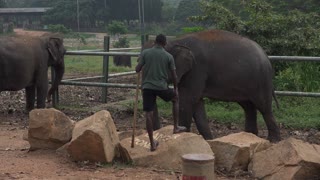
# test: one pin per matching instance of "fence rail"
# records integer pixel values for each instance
(105, 84)
(294, 58)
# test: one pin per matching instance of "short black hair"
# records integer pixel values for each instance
(161, 39)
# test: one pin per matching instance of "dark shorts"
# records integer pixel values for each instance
(149, 97)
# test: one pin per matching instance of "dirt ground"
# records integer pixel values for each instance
(16, 162)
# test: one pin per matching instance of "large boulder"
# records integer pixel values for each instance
(94, 139)
(48, 129)
(234, 152)
(171, 148)
(289, 159)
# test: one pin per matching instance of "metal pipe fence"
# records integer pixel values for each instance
(294, 58)
(105, 84)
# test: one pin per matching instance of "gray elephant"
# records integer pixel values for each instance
(24, 62)
(122, 60)
(223, 66)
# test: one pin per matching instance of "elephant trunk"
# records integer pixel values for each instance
(59, 71)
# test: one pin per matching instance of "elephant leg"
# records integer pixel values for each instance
(42, 91)
(251, 117)
(185, 111)
(41, 97)
(201, 120)
(156, 121)
(30, 97)
(273, 129)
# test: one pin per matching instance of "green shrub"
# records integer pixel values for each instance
(299, 77)
(58, 28)
(116, 27)
(192, 29)
(122, 43)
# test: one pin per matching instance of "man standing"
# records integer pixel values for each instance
(156, 62)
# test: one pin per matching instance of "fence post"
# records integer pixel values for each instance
(142, 39)
(106, 46)
(55, 94)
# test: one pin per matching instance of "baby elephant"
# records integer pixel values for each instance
(122, 60)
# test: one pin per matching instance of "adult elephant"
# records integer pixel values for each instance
(223, 66)
(24, 62)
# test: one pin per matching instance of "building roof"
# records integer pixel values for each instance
(23, 10)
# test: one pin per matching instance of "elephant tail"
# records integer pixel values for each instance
(275, 99)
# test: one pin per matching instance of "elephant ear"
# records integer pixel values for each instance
(184, 60)
(56, 49)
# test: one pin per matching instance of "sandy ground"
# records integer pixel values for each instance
(18, 163)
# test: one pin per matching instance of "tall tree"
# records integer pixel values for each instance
(3, 4)
(92, 13)
(153, 10)
(187, 8)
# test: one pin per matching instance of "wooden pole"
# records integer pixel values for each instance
(135, 110)
(105, 69)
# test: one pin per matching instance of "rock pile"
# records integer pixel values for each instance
(95, 139)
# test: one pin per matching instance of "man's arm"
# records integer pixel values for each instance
(138, 67)
(140, 62)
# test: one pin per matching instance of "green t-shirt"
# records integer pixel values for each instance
(156, 64)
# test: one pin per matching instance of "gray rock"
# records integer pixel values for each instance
(171, 148)
(234, 152)
(48, 129)
(94, 139)
(289, 159)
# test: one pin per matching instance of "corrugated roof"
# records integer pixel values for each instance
(23, 10)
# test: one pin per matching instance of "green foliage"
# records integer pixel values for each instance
(168, 12)
(152, 10)
(80, 37)
(58, 28)
(98, 13)
(116, 27)
(192, 29)
(187, 8)
(3, 4)
(299, 77)
(218, 16)
(122, 43)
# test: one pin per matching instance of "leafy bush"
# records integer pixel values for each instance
(122, 43)
(58, 28)
(192, 29)
(116, 27)
(299, 77)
